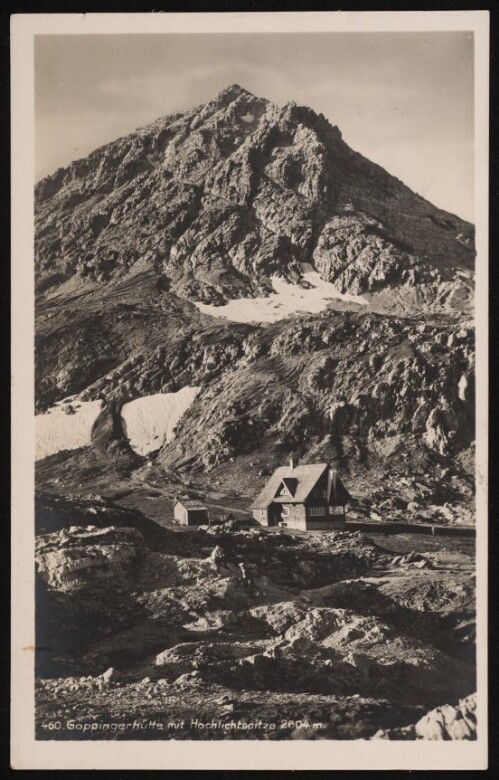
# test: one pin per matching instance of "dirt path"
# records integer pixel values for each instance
(166, 494)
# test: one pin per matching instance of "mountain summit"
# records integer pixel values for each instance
(221, 198)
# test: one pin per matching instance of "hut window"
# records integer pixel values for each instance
(317, 510)
(336, 510)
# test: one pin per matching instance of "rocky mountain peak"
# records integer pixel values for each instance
(233, 91)
(221, 198)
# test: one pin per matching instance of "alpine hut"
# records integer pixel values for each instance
(308, 497)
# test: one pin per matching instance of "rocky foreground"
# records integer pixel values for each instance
(339, 635)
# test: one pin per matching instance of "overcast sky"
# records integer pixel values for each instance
(404, 100)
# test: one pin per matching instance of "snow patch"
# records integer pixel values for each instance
(150, 420)
(58, 430)
(288, 299)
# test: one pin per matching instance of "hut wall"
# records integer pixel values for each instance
(296, 517)
(261, 516)
(180, 514)
(197, 516)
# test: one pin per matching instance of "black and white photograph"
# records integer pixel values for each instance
(255, 385)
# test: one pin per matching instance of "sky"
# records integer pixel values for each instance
(404, 100)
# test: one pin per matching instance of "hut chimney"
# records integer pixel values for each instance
(291, 464)
(331, 484)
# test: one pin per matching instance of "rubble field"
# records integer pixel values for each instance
(340, 635)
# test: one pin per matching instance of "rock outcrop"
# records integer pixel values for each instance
(443, 723)
(87, 557)
(108, 438)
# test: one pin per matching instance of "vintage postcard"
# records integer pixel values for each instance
(250, 390)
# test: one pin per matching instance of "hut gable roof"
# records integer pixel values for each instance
(300, 482)
(270, 490)
(190, 503)
(290, 483)
(306, 476)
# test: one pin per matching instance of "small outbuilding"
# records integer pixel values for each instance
(190, 512)
(308, 497)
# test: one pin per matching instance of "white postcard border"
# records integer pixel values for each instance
(26, 752)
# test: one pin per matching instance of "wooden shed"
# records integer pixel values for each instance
(190, 512)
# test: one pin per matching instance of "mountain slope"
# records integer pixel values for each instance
(349, 386)
(140, 244)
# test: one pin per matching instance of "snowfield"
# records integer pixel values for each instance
(288, 299)
(56, 430)
(148, 422)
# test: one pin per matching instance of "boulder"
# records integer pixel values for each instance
(109, 675)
